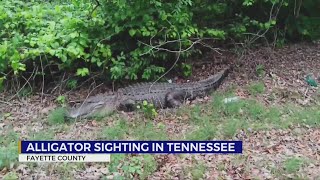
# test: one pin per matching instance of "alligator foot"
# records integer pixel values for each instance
(175, 99)
(127, 105)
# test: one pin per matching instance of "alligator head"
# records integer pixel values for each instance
(97, 105)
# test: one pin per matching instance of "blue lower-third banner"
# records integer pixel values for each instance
(109, 147)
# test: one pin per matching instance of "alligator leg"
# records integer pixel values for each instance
(175, 98)
(127, 105)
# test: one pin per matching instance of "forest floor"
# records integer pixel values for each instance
(276, 116)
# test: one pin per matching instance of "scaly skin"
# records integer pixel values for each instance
(162, 95)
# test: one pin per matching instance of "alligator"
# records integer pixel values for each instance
(161, 95)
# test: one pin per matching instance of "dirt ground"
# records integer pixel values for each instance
(265, 151)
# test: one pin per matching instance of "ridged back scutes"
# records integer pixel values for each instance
(214, 80)
(162, 88)
(143, 88)
(154, 92)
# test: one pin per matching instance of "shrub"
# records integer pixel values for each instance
(59, 35)
(136, 39)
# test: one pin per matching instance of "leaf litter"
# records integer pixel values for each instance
(265, 151)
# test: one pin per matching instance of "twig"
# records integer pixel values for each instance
(271, 16)
(306, 92)
(42, 85)
(158, 47)
(98, 4)
(217, 50)
(83, 83)
(177, 59)
(5, 102)
(296, 11)
(58, 86)
(27, 82)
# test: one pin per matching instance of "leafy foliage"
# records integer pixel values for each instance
(133, 166)
(59, 35)
(139, 165)
(137, 39)
(148, 110)
(260, 70)
(72, 84)
(61, 100)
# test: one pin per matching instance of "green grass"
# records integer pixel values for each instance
(292, 165)
(256, 88)
(138, 130)
(133, 166)
(198, 171)
(231, 127)
(205, 132)
(149, 166)
(211, 120)
(49, 134)
(198, 168)
(255, 110)
(8, 149)
(148, 131)
(309, 115)
(224, 120)
(11, 176)
(116, 132)
(57, 116)
(215, 120)
(260, 70)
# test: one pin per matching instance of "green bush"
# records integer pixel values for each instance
(136, 39)
(63, 36)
